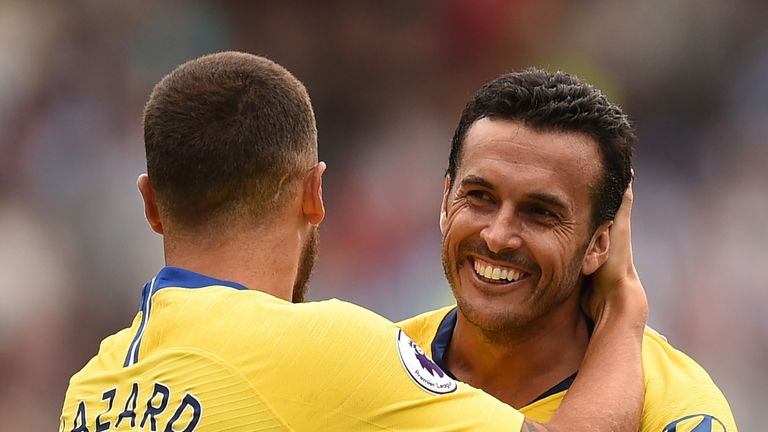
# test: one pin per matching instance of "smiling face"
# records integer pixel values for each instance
(516, 223)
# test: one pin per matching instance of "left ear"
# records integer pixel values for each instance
(597, 252)
(151, 210)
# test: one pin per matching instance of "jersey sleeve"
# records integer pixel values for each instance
(347, 368)
(422, 328)
(680, 395)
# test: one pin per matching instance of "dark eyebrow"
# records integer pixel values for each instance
(473, 180)
(544, 198)
(550, 200)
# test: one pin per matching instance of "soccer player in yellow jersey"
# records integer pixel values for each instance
(222, 341)
(537, 168)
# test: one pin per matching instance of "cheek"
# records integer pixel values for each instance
(556, 256)
(460, 223)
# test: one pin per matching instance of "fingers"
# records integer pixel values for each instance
(621, 230)
(625, 210)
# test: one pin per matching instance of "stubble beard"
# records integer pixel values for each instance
(514, 322)
(307, 261)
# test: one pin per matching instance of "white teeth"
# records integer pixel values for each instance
(496, 273)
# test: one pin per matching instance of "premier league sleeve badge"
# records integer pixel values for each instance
(422, 370)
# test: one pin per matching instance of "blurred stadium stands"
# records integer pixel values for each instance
(388, 81)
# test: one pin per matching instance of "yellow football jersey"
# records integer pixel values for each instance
(679, 394)
(209, 355)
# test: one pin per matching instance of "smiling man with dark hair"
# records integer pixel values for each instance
(538, 166)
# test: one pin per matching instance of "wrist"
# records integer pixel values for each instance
(624, 305)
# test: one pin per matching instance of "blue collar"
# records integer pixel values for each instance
(442, 341)
(182, 278)
(169, 277)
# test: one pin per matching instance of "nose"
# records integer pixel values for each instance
(503, 232)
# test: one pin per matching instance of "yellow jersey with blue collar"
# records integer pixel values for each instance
(204, 354)
(679, 394)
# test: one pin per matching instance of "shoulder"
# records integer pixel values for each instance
(664, 364)
(111, 354)
(339, 315)
(333, 311)
(308, 331)
(679, 390)
(422, 327)
(247, 313)
(110, 357)
(248, 328)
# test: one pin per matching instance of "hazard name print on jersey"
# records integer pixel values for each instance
(422, 370)
(138, 410)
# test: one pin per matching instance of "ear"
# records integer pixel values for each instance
(151, 211)
(597, 252)
(312, 199)
(444, 204)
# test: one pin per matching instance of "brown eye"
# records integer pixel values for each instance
(480, 195)
(541, 213)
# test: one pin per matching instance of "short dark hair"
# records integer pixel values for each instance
(225, 135)
(558, 102)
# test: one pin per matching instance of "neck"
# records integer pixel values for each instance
(518, 368)
(260, 259)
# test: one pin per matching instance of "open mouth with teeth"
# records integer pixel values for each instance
(494, 274)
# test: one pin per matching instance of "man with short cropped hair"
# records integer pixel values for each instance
(221, 341)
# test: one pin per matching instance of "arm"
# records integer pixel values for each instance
(608, 393)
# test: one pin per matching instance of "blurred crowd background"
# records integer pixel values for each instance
(388, 82)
